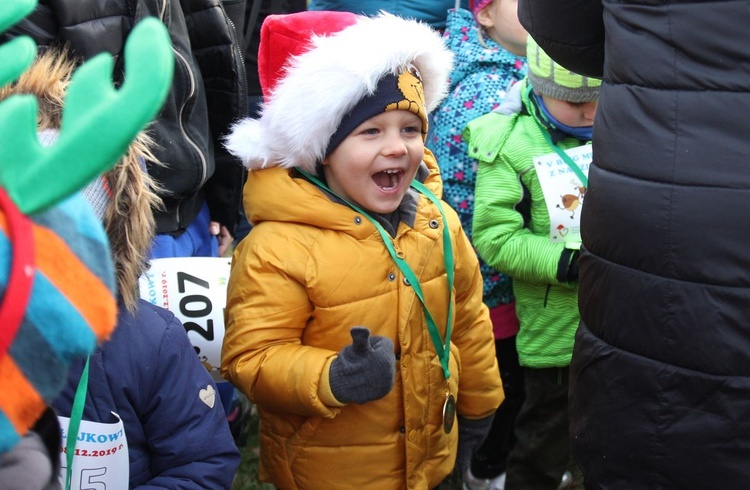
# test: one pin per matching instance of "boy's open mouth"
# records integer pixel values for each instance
(387, 179)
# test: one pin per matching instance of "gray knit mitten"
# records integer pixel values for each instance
(471, 435)
(364, 370)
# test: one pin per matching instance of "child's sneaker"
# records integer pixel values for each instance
(566, 480)
(471, 482)
(497, 483)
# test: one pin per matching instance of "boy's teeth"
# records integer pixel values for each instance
(387, 179)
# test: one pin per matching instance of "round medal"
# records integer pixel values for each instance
(449, 413)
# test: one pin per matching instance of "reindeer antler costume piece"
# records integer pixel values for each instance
(56, 274)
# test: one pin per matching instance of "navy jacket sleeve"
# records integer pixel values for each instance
(570, 32)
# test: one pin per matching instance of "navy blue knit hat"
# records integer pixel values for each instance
(403, 91)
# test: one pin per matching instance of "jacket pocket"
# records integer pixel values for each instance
(301, 437)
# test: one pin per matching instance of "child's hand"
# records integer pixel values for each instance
(471, 435)
(222, 234)
(364, 370)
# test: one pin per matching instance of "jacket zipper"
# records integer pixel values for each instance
(191, 95)
(239, 55)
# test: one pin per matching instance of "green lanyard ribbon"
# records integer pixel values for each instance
(560, 152)
(442, 348)
(76, 415)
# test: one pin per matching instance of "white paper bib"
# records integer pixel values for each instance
(564, 193)
(101, 459)
(195, 290)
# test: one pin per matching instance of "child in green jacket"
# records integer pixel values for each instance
(512, 233)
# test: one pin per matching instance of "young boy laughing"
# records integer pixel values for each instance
(355, 319)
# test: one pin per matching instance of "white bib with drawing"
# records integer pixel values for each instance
(564, 192)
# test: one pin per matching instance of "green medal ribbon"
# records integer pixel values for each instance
(442, 348)
(76, 415)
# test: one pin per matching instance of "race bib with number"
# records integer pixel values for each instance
(101, 456)
(195, 290)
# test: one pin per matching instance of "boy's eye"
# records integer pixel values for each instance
(412, 129)
(370, 131)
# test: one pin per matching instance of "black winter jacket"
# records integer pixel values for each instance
(660, 376)
(208, 93)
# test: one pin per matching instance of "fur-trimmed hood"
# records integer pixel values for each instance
(321, 85)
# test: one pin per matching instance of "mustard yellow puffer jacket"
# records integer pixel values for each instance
(309, 271)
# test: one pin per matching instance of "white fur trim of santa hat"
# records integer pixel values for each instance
(321, 85)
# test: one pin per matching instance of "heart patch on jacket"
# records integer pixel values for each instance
(208, 396)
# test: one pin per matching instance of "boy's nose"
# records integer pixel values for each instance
(589, 110)
(394, 144)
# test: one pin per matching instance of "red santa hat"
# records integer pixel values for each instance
(316, 66)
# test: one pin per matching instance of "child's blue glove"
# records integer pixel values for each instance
(471, 435)
(364, 370)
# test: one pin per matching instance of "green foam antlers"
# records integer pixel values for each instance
(98, 120)
(18, 54)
